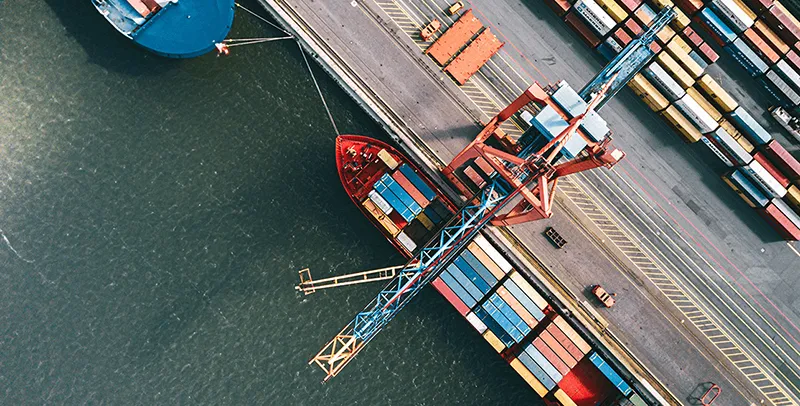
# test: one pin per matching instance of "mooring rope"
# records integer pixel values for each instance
(263, 19)
(247, 41)
(327, 110)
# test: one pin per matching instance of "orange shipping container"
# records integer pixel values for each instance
(469, 61)
(551, 356)
(557, 348)
(517, 306)
(565, 341)
(572, 334)
(759, 46)
(485, 260)
(770, 37)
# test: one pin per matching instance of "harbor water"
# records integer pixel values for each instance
(154, 214)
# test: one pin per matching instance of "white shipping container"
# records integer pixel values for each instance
(476, 322)
(787, 211)
(595, 16)
(406, 242)
(734, 14)
(379, 201)
(734, 149)
(699, 117)
(664, 82)
(765, 180)
(717, 152)
(495, 255)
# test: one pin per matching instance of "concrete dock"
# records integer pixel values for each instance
(706, 290)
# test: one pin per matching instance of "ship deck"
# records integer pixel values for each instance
(661, 229)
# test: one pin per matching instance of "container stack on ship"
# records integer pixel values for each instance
(557, 361)
(761, 36)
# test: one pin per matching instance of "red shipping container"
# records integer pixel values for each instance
(760, 46)
(707, 53)
(582, 29)
(633, 27)
(793, 59)
(689, 7)
(782, 159)
(551, 356)
(708, 31)
(629, 5)
(410, 189)
(775, 172)
(783, 23)
(622, 37)
(559, 6)
(554, 345)
(655, 47)
(780, 222)
(451, 297)
(565, 341)
(759, 6)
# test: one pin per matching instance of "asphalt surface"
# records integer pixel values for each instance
(666, 196)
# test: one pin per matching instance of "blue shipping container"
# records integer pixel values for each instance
(750, 190)
(536, 370)
(464, 281)
(540, 360)
(510, 314)
(470, 273)
(523, 299)
(492, 325)
(501, 319)
(745, 123)
(612, 375)
(401, 194)
(396, 204)
(479, 267)
(458, 289)
(739, 155)
(712, 21)
(415, 180)
(743, 54)
(699, 59)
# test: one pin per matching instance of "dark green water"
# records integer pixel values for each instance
(154, 214)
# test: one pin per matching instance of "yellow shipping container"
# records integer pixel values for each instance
(793, 196)
(678, 41)
(742, 140)
(717, 94)
(677, 52)
(383, 219)
(494, 341)
(665, 34)
(647, 92)
(679, 122)
(681, 20)
(704, 103)
(563, 398)
(675, 70)
(771, 38)
(750, 13)
(785, 11)
(528, 377)
(613, 9)
(739, 192)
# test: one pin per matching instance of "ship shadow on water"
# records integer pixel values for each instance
(105, 46)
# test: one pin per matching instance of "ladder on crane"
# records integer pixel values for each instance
(531, 178)
(308, 285)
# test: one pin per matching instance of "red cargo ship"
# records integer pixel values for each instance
(391, 191)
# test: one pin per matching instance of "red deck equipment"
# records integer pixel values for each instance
(474, 57)
(454, 38)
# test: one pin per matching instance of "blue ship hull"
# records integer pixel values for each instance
(171, 28)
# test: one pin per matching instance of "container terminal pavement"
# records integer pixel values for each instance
(678, 216)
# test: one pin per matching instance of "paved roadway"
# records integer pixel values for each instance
(675, 241)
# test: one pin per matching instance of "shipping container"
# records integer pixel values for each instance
(572, 334)
(760, 46)
(479, 267)
(594, 16)
(731, 148)
(719, 30)
(460, 284)
(783, 23)
(759, 6)
(476, 323)
(746, 57)
(691, 37)
(665, 35)
(746, 189)
(540, 360)
(512, 316)
(529, 290)
(410, 189)
(485, 260)
(690, 7)
(788, 73)
(560, 7)
(528, 377)
(622, 36)
(613, 9)
(765, 181)
(793, 59)
(494, 341)
(426, 221)
(772, 169)
(681, 20)
(493, 253)
(680, 123)
(675, 70)
(483, 285)
(551, 356)
(563, 399)
(379, 215)
(610, 373)
(536, 370)
(630, 5)
(633, 27)
(417, 181)
(747, 10)
(667, 86)
(408, 244)
(748, 125)
(741, 139)
(558, 349)
(704, 104)
(651, 96)
(676, 49)
(530, 306)
(731, 13)
(717, 151)
(518, 307)
(644, 15)
(793, 196)
(707, 53)
(398, 206)
(770, 37)
(695, 113)
(505, 324)
(780, 89)
(387, 159)
(779, 156)
(721, 98)
(454, 300)
(780, 222)
(609, 48)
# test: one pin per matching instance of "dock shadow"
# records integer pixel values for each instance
(105, 46)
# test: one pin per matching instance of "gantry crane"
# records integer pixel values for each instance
(528, 178)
